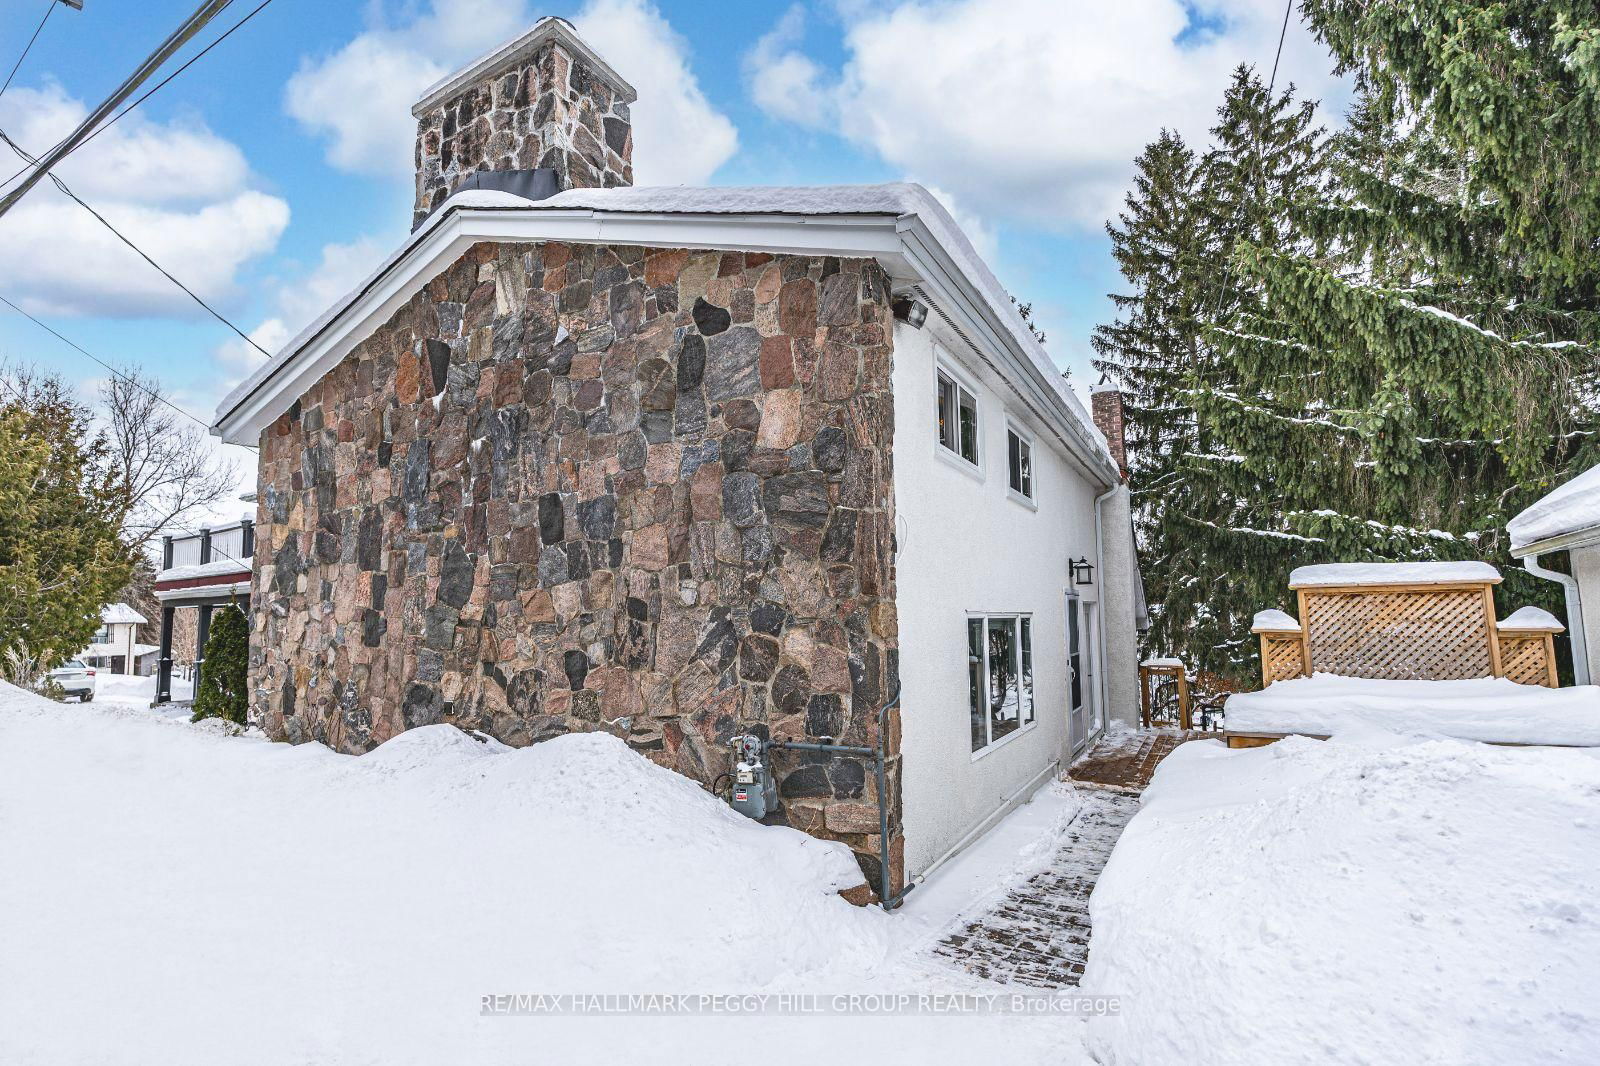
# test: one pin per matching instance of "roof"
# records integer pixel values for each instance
(1332, 574)
(1571, 509)
(901, 225)
(121, 614)
(514, 52)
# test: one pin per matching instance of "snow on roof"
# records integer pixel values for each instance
(1274, 621)
(895, 199)
(514, 51)
(1494, 710)
(1571, 507)
(1391, 574)
(1535, 618)
(121, 614)
(215, 568)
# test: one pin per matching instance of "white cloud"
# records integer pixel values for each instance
(359, 98)
(176, 189)
(298, 302)
(784, 82)
(678, 137)
(1030, 109)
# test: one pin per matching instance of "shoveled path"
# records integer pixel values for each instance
(1037, 934)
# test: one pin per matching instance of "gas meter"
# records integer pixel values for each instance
(754, 795)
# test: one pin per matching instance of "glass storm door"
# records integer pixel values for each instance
(1077, 680)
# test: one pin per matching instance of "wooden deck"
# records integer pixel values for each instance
(1125, 762)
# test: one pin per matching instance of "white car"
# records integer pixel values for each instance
(75, 679)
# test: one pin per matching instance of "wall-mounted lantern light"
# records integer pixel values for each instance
(1082, 571)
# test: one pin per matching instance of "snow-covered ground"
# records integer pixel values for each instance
(172, 893)
(133, 690)
(1491, 709)
(1362, 900)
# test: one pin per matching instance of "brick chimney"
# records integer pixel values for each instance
(543, 100)
(1106, 401)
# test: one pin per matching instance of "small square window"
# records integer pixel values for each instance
(958, 419)
(1019, 451)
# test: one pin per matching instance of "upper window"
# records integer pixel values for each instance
(1019, 454)
(958, 419)
(102, 635)
(999, 677)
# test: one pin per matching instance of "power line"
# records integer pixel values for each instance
(61, 185)
(157, 87)
(176, 40)
(1283, 32)
(50, 7)
(119, 375)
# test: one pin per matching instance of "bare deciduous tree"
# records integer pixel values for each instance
(167, 469)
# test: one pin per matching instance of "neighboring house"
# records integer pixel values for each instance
(116, 648)
(199, 573)
(681, 463)
(1568, 520)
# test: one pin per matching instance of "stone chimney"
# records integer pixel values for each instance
(543, 100)
(1106, 401)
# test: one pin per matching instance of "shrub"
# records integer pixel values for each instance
(225, 673)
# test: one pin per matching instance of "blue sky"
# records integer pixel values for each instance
(273, 173)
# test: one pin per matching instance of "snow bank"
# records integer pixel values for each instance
(194, 897)
(1391, 574)
(1492, 709)
(1274, 621)
(1573, 506)
(1309, 902)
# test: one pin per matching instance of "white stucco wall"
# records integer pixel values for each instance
(965, 546)
(1586, 568)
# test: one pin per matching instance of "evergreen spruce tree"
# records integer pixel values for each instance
(61, 557)
(1209, 515)
(1439, 312)
(225, 675)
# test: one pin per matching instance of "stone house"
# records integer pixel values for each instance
(683, 463)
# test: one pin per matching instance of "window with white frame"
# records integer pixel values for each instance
(999, 676)
(958, 418)
(102, 635)
(1019, 457)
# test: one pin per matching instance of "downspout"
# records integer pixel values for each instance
(1100, 615)
(1580, 647)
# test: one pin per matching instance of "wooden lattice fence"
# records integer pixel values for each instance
(1432, 632)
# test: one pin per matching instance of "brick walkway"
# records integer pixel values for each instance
(1037, 935)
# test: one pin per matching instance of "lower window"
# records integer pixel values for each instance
(999, 676)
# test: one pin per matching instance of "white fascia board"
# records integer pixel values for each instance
(291, 374)
(957, 296)
(179, 597)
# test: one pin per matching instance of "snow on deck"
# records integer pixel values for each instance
(1432, 573)
(1495, 710)
(1315, 902)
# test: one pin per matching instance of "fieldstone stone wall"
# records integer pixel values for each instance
(550, 110)
(572, 488)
